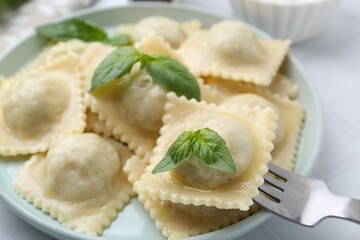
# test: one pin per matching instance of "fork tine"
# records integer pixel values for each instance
(275, 182)
(266, 203)
(278, 171)
(271, 191)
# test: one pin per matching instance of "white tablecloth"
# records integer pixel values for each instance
(332, 60)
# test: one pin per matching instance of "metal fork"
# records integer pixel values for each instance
(303, 200)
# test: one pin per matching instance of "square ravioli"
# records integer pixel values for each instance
(59, 56)
(37, 106)
(230, 50)
(134, 115)
(79, 181)
(192, 182)
(176, 220)
(290, 115)
(173, 32)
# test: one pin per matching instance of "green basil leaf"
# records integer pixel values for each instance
(206, 145)
(145, 60)
(210, 149)
(73, 28)
(117, 64)
(171, 75)
(179, 151)
(119, 40)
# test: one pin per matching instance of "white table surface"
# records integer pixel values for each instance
(332, 60)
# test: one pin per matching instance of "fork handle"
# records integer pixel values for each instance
(350, 210)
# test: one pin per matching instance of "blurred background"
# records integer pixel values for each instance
(326, 38)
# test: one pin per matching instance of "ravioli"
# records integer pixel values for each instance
(230, 50)
(79, 182)
(133, 114)
(135, 124)
(38, 106)
(74, 47)
(291, 115)
(177, 221)
(135, 167)
(203, 186)
(61, 55)
(165, 27)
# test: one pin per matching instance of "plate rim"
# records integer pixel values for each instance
(253, 221)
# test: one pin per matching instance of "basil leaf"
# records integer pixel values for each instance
(179, 151)
(73, 28)
(206, 145)
(117, 64)
(167, 72)
(145, 59)
(210, 148)
(119, 40)
(171, 75)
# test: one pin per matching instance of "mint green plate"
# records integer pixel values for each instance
(134, 222)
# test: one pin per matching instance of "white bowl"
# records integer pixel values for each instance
(298, 20)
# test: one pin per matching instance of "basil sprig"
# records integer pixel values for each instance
(80, 29)
(116, 65)
(205, 145)
(171, 75)
(165, 71)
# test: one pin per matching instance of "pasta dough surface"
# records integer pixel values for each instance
(291, 115)
(95, 125)
(153, 44)
(231, 51)
(165, 27)
(177, 221)
(181, 115)
(79, 181)
(133, 114)
(284, 87)
(33, 104)
(91, 58)
(37, 107)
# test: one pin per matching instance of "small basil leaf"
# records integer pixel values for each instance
(179, 151)
(119, 40)
(210, 149)
(117, 64)
(171, 75)
(73, 28)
